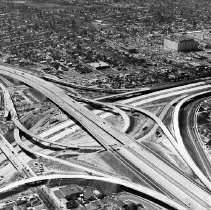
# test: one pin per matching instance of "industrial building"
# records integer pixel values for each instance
(180, 43)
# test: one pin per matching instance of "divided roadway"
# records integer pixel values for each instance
(106, 135)
(136, 101)
(181, 145)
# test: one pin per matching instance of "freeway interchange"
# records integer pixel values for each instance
(169, 184)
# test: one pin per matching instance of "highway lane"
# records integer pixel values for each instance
(168, 134)
(83, 167)
(148, 113)
(115, 109)
(183, 151)
(24, 170)
(147, 98)
(192, 142)
(133, 186)
(161, 117)
(72, 111)
(9, 108)
(104, 115)
(6, 81)
(143, 99)
(130, 93)
(138, 104)
(13, 157)
(87, 168)
(72, 127)
(156, 91)
(144, 178)
(129, 96)
(155, 118)
(156, 167)
(163, 128)
(98, 125)
(74, 163)
(165, 94)
(192, 85)
(83, 116)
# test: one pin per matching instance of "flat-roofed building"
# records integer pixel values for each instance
(180, 43)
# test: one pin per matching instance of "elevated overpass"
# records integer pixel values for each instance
(180, 141)
(133, 186)
(107, 136)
